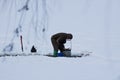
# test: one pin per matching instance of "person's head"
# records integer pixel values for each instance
(69, 36)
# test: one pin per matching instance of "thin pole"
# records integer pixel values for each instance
(21, 43)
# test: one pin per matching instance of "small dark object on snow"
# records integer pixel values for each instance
(33, 49)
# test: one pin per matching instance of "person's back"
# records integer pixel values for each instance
(58, 35)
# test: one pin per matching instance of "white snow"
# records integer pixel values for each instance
(47, 68)
(95, 28)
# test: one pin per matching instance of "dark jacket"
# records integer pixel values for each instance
(60, 37)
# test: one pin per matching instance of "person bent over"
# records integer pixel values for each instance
(58, 40)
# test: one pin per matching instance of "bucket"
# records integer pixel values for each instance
(67, 53)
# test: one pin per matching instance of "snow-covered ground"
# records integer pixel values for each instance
(93, 23)
(47, 68)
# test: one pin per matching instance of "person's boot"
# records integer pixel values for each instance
(55, 53)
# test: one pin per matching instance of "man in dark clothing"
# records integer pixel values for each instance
(58, 40)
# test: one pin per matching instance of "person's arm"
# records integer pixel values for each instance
(61, 40)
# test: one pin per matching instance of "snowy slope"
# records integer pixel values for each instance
(94, 24)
